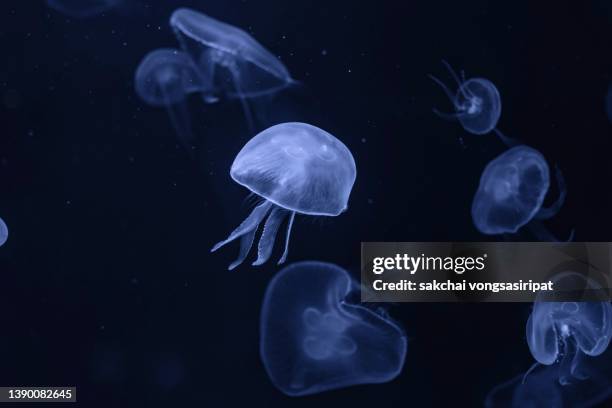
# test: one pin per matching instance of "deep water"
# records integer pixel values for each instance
(107, 279)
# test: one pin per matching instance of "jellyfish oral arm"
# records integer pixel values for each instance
(287, 237)
(465, 92)
(181, 122)
(546, 213)
(243, 101)
(246, 230)
(266, 242)
(508, 141)
(441, 84)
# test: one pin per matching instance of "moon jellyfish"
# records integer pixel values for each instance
(233, 64)
(541, 389)
(165, 77)
(558, 330)
(3, 232)
(570, 343)
(82, 8)
(295, 168)
(314, 339)
(511, 193)
(477, 104)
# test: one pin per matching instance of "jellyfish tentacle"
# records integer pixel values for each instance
(249, 224)
(287, 237)
(266, 242)
(246, 242)
(533, 367)
(546, 213)
(447, 116)
(464, 92)
(442, 85)
(243, 101)
(540, 231)
(181, 123)
(179, 116)
(508, 141)
(575, 369)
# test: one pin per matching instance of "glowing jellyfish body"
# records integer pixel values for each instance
(477, 105)
(313, 339)
(295, 168)
(232, 63)
(82, 8)
(3, 232)
(570, 343)
(512, 190)
(553, 324)
(541, 389)
(561, 332)
(165, 77)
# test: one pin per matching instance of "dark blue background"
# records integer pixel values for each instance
(107, 280)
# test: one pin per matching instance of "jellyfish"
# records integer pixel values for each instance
(477, 105)
(314, 339)
(561, 332)
(541, 389)
(570, 342)
(232, 63)
(165, 77)
(3, 232)
(82, 8)
(294, 168)
(511, 193)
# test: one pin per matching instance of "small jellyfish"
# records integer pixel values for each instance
(232, 63)
(511, 193)
(477, 104)
(314, 339)
(82, 8)
(570, 343)
(295, 168)
(165, 77)
(558, 332)
(3, 232)
(542, 389)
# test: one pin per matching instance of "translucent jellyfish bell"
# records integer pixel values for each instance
(313, 339)
(557, 330)
(570, 342)
(233, 64)
(165, 77)
(3, 232)
(295, 168)
(511, 192)
(476, 102)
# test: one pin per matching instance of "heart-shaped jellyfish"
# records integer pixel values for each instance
(231, 62)
(477, 104)
(165, 77)
(3, 232)
(295, 168)
(313, 339)
(512, 191)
